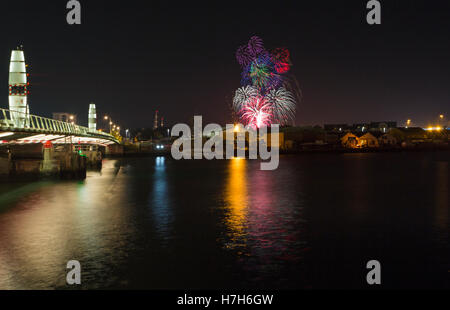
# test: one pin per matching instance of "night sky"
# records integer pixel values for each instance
(132, 57)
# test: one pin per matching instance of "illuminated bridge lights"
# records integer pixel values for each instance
(22, 127)
(58, 139)
(36, 129)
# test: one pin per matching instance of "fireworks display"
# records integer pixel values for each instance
(257, 112)
(262, 74)
(283, 105)
(265, 97)
(242, 95)
(281, 57)
(247, 53)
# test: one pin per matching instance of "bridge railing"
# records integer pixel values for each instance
(16, 120)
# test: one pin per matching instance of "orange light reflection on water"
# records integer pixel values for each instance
(237, 200)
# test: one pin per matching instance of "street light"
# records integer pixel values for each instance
(441, 121)
(112, 127)
(106, 117)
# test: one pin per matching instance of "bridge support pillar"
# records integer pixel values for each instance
(24, 161)
(114, 150)
(71, 164)
(5, 166)
(94, 158)
(49, 166)
(31, 162)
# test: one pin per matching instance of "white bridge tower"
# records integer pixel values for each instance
(18, 104)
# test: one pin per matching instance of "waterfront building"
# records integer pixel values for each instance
(387, 139)
(65, 117)
(368, 140)
(360, 128)
(350, 140)
(359, 140)
(336, 128)
(383, 126)
(414, 134)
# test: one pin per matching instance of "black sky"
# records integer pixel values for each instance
(132, 57)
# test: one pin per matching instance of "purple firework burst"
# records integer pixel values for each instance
(247, 53)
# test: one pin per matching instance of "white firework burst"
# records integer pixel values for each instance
(242, 95)
(283, 105)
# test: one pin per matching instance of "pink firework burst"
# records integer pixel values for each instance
(257, 112)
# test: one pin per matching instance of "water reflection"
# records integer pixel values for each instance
(160, 204)
(29, 243)
(442, 194)
(264, 219)
(237, 200)
(356, 185)
(65, 221)
(153, 223)
(276, 224)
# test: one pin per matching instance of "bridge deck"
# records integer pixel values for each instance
(17, 127)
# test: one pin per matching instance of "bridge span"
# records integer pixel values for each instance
(32, 145)
(36, 129)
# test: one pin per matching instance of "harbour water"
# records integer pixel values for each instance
(154, 223)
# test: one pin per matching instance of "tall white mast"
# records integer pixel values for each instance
(18, 92)
(92, 119)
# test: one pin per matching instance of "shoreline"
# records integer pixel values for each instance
(310, 151)
(367, 150)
